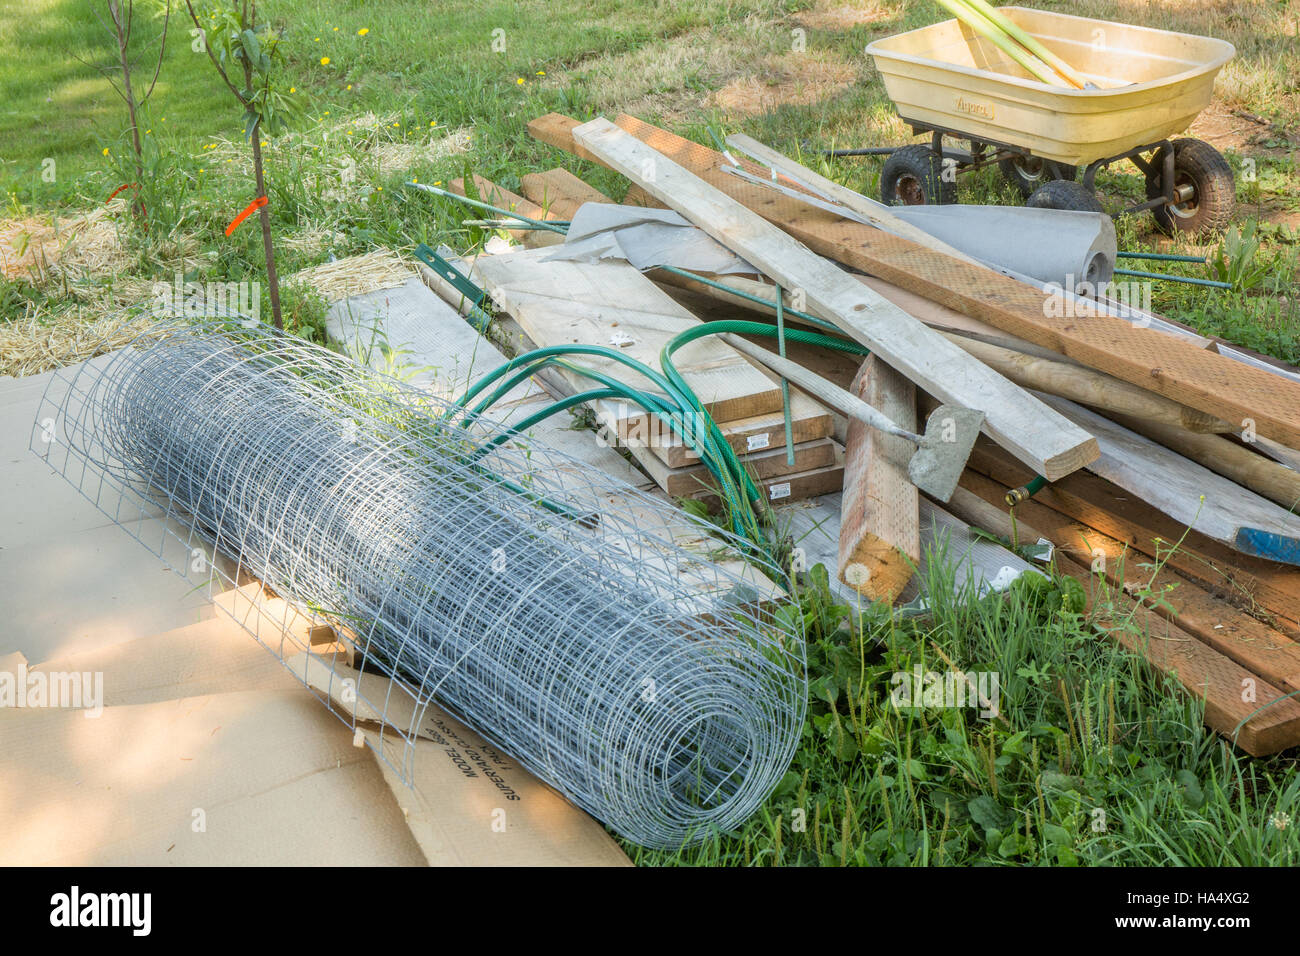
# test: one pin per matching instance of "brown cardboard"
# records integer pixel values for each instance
(468, 804)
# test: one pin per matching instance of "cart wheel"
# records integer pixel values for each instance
(913, 176)
(1213, 198)
(1064, 194)
(1027, 173)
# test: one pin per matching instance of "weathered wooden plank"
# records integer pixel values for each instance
(1266, 724)
(1269, 478)
(610, 303)
(1188, 492)
(776, 489)
(1014, 419)
(559, 192)
(809, 421)
(692, 480)
(1253, 584)
(880, 541)
(1089, 386)
(1229, 630)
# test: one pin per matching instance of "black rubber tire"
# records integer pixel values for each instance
(1064, 194)
(1028, 173)
(1214, 200)
(913, 176)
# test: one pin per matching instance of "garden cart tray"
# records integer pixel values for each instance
(1145, 85)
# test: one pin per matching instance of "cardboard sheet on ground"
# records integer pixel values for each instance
(250, 778)
(70, 579)
(258, 776)
(468, 801)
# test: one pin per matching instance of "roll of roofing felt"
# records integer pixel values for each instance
(1052, 245)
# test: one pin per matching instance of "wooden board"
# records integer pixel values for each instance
(1013, 418)
(1241, 463)
(1089, 387)
(567, 191)
(1189, 493)
(490, 192)
(1265, 725)
(880, 541)
(1265, 589)
(1229, 630)
(559, 192)
(610, 303)
(786, 488)
(809, 422)
(1180, 370)
(876, 213)
(693, 480)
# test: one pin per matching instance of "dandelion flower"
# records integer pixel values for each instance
(324, 61)
(519, 80)
(315, 39)
(541, 72)
(363, 31)
(105, 150)
(336, 29)
(293, 89)
(349, 86)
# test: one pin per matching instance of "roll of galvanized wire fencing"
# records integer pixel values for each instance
(613, 646)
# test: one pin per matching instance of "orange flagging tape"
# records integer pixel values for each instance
(251, 208)
(136, 187)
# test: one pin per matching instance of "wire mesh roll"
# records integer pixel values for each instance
(581, 626)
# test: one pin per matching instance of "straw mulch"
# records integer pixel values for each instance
(355, 275)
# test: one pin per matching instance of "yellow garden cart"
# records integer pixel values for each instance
(1144, 86)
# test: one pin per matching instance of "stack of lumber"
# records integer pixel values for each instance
(610, 303)
(1142, 429)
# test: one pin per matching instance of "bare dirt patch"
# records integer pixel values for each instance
(1226, 129)
(838, 17)
(794, 78)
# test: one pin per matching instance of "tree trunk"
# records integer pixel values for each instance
(272, 280)
(263, 214)
(115, 10)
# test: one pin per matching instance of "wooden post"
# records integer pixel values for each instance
(880, 540)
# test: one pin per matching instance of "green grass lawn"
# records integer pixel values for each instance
(420, 74)
(1096, 762)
